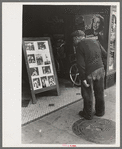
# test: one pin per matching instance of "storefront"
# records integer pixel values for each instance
(59, 21)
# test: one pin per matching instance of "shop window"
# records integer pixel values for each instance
(112, 43)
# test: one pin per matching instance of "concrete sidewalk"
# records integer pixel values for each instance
(56, 128)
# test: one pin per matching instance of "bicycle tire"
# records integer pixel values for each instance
(74, 75)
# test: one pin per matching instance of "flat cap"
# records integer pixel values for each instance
(78, 33)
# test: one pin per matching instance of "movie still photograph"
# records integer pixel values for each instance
(41, 45)
(31, 58)
(29, 46)
(44, 82)
(39, 59)
(46, 70)
(34, 71)
(36, 83)
(51, 80)
(47, 61)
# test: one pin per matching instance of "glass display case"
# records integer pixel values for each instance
(111, 59)
(112, 42)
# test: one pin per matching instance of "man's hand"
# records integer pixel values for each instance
(85, 83)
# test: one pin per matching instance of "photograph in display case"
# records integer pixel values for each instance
(29, 46)
(41, 46)
(36, 83)
(44, 82)
(47, 61)
(39, 59)
(46, 70)
(51, 80)
(31, 58)
(34, 71)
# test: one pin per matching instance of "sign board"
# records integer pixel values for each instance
(40, 65)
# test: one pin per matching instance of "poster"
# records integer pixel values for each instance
(91, 24)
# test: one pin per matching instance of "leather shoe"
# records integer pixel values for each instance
(82, 115)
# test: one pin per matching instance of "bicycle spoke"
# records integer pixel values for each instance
(75, 78)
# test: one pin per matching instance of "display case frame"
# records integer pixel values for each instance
(111, 53)
(40, 65)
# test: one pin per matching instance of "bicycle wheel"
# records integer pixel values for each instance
(74, 75)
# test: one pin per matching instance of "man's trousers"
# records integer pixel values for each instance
(97, 89)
